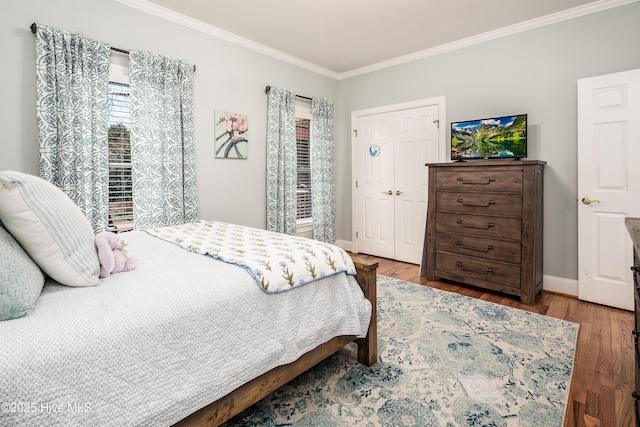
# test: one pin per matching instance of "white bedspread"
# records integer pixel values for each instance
(151, 346)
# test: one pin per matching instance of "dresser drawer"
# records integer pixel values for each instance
(637, 311)
(636, 292)
(480, 180)
(477, 268)
(483, 203)
(479, 225)
(636, 354)
(479, 247)
(636, 397)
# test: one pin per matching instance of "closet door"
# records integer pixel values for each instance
(375, 185)
(391, 149)
(415, 143)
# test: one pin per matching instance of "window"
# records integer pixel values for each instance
(303, 141)
(120, 185)
(303, 144)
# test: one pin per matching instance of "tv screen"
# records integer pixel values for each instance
(497, 137)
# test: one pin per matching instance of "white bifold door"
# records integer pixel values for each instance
(390, 198)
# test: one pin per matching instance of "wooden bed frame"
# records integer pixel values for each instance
(246, 395)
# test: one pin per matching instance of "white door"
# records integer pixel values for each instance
(416, 143)
(608, 185)
(375, 185)
(391, 149)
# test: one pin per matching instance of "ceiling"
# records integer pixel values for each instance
(343, 36)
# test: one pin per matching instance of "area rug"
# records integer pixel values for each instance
(444, 360)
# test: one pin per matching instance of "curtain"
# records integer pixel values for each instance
(72, 77)
(282, 162)
(162, 152)
(323, 187)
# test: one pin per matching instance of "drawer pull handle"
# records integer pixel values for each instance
(489, 181)
(479, 205)
(489, 247)
(480, 227)
(461, 267)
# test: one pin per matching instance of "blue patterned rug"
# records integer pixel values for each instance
(444, 360)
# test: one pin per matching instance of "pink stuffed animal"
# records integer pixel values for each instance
(112, 255)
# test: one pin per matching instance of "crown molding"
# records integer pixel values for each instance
(194, 24)
(554, 18)
(565, 15)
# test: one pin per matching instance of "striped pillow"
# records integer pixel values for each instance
(50, 227)
(21, 280)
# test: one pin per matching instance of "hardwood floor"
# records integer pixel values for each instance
(603, 376)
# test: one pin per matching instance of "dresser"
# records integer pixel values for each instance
(633, 225)
(484, 225)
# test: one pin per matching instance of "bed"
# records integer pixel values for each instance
(183, 339)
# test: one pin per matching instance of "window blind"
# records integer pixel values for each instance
(303, 141)
(120, 184)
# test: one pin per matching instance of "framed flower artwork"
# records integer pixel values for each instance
(231, 133)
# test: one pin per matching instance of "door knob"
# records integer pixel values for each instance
(398, 193)
(588, 200)
(388, 192)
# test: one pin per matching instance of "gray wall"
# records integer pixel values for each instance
(534, 72)
(228, 78)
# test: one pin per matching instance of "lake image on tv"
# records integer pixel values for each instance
(499, 137)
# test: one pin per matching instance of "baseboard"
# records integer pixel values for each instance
(343, 244)
(560, 285)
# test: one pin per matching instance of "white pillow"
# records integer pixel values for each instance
(50, 228)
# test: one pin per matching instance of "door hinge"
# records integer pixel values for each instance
(355, 131)
(356, 234)
(356, 184)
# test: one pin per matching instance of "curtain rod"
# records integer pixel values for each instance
(268, 88)
(34, 28)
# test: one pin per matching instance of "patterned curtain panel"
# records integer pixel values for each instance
(282, 162)
(323, 187)
(162, 153)
(72, 77)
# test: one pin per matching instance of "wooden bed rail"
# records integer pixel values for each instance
(246, 395)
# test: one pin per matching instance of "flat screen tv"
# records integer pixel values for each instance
(492, 138)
